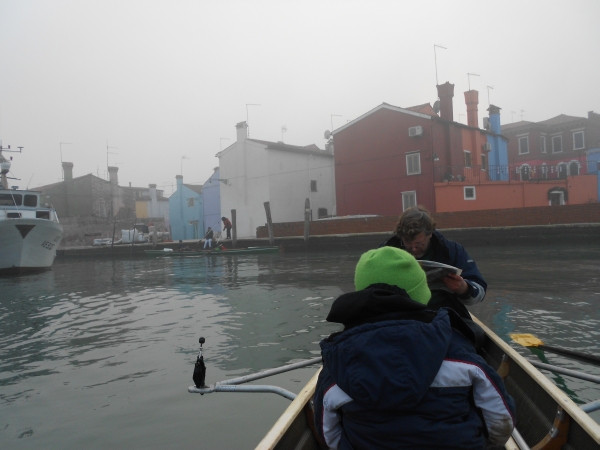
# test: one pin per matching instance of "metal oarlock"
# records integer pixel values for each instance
(199, 368)
(232, 385)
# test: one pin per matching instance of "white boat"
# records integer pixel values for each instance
(29, 232)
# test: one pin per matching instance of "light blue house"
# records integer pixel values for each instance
(211, 191)
(593, 164)
(186, 211)
(498, 155)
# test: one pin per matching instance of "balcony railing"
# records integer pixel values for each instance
(512, 172)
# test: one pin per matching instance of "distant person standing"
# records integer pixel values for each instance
(208, 238)
(227, 226)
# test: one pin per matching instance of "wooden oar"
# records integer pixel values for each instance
(529, 340)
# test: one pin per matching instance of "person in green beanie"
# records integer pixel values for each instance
(401, 375)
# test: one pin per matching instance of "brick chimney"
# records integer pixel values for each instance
(112, 175)
(472, 100)
(445, 93)
(67, 171)
(494, 118)
(153, 201)
(242, 131)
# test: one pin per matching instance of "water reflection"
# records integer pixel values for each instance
(107, 347)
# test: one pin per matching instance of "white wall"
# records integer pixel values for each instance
(256, 175)
(290, 184)
(244, 166)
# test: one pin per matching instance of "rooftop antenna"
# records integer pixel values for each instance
(469, 78)
(182, 158)
(332, 116)
(247, 123)
(488, 88)
(435, 58)
(221, 142)
(107, 152)
(61, 161)
(283, 130)
(522, 111)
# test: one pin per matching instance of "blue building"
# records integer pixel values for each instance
(211, 191)
(498, 155)
(186, 211)
(593, 164)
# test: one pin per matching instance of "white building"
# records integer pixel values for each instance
(253, 172)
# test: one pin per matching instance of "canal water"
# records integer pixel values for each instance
(99, 353)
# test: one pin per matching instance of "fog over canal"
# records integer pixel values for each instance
(98, 354)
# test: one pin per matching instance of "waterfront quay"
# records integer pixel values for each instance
(581, 234)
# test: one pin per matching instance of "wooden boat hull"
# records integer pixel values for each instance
(228, 252)
(540, 406)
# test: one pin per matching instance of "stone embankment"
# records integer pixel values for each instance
(585, 233)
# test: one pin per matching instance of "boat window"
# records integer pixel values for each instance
(31, 200)
(42, 215)
(13, 215)
(10, 199)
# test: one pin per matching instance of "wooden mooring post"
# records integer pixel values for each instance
(233, 229)
(269, 223)
(306, 219)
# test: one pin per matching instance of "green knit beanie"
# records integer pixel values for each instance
(393, 266)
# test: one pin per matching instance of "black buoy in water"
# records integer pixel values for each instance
(199, 367)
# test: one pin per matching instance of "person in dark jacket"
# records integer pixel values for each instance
(227, 226)
(402, 376)
(416, 233)
(208, 237)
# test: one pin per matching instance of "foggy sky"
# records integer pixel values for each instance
(162, 79)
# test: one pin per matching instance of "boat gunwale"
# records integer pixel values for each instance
(284, 422)
(588, 424)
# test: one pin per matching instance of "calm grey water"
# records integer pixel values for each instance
(99, 354)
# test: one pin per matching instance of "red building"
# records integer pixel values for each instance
(553, 148)
(389, 158)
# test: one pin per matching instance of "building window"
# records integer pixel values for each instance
(542, 144)
(469, 192)
(544, 171)
(313, 185)
(574, 168)
(578, 142)
(322, 212)
(468, 160)
(556, 144)
(413, 163)
(409, 199)
(190, 202)
(523, 145)
(484, 162)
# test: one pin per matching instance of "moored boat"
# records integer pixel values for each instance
(546, 417)
(29, 232)
(215, 252)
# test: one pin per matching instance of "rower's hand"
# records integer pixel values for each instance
(455, 283)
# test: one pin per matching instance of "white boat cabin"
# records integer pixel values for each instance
(24, 205)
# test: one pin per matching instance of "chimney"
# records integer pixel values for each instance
(445, 93)
(67, 171)
(495, 119)
(153, 201)
(112, 175)
(242, 131)
(179, 179)
(472, 100)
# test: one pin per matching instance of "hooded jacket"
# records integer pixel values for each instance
(450, 252)
(402, 376)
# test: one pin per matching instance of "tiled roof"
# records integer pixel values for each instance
(309, 149)
(194, 187)
(560, 119)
